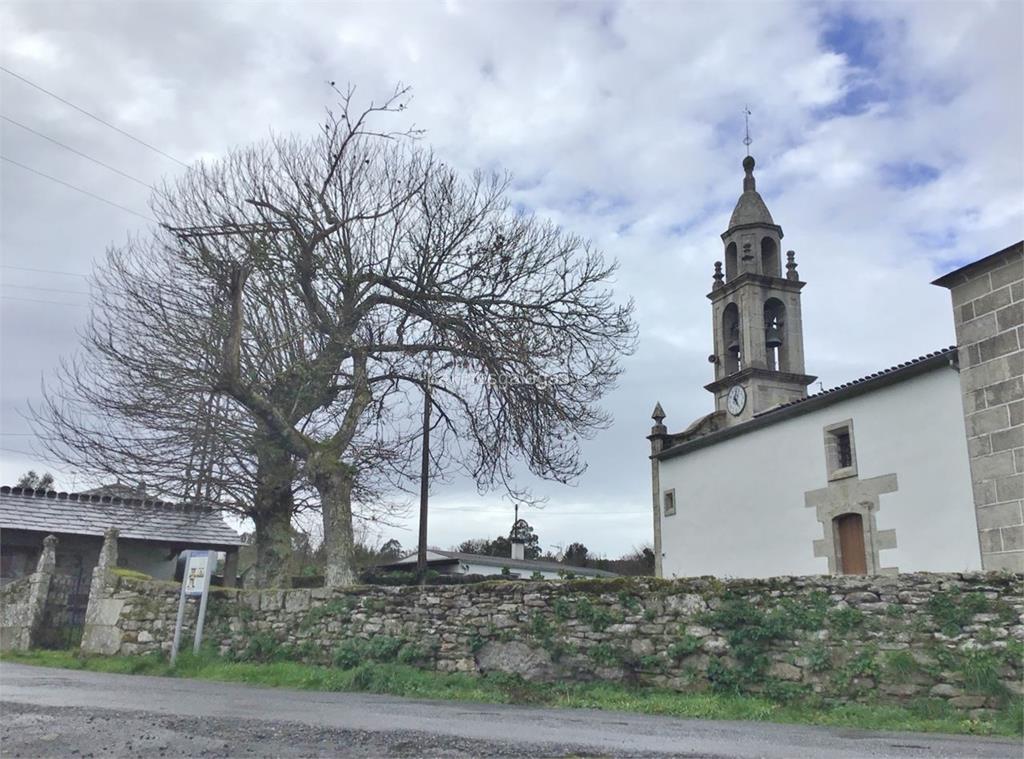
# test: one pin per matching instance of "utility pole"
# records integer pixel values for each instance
(421, 559)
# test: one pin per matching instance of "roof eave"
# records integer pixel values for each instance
(935, 361)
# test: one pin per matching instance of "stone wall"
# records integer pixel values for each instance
(23, 603)
(988, 310)
(59, 626)
(16, 614)
(957, 637)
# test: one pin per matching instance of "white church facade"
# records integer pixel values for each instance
(919, 467)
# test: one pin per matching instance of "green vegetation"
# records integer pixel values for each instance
(953, 609)
(750, 632)
(900, 666)
(845, 619)
(130, 574)
(597, 617)
(339, 607)
(930, 715)
(981, 672)
(819, 658)
(686, 645)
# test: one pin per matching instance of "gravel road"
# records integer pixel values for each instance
(54, 712)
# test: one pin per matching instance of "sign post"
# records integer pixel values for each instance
(199, 567)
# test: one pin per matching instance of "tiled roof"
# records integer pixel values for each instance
(949, 352)
(501, 561)
(135, 518)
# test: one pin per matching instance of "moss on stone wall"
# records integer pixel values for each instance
(912, 638)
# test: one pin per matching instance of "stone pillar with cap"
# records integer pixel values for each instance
(101, 633)
(39, 590)
(659, 432)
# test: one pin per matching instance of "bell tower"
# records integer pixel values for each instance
(759, 345)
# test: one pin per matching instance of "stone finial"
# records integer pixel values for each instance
(48, 558)
(749, 185)
(658, 414)
(791, 266)
(108, 554)
(718, 277)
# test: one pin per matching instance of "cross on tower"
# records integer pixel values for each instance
(746, 120)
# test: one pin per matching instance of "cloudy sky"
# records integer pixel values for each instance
(888, 137)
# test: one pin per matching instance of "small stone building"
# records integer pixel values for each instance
(877, 476)
(988, 311)
(152, 533)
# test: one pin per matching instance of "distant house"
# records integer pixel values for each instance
(152, 533)
(457, 563)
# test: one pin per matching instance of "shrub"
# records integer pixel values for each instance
(845, 619)
(262, 647)
(651, 663)
(347, 655)
(900, 666)
(819, 657)
(980, 669)
(723, 679)
(686, 645)
(383, 648)
(597, 617)
(953, 609)
(562, 609)
(605, 654)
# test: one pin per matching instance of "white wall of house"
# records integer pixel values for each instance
(470, 568)
(740, 507)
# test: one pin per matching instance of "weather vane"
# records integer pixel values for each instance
(746, 119)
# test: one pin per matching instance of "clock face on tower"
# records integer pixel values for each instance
(736, 400)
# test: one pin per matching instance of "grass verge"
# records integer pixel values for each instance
(402, 680)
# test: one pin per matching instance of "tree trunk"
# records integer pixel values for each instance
(273, 548)
(333, 481)
(272, 514)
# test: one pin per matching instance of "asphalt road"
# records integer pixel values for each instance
(55, 712)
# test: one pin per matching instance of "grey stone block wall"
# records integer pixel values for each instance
(668, 633)
(23, 603)
(988, 310)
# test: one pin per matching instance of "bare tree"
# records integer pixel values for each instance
(138, 401)
(394, 272)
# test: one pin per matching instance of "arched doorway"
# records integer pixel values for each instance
(849, 538)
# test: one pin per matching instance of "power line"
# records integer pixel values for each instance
(79, 189)
(45, 289)
(93, 116)
(38, 300)
(44, 271)
(78, 152)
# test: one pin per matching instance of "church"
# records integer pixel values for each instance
(917, 467)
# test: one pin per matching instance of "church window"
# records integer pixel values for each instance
(731, 262)
(840, 453)
(670, 503)
(776, 349)
(843, 450)
(732, 360)
(770, 258)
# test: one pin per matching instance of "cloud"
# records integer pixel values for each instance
(887, 137)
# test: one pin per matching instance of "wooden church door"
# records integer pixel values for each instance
(850, 532)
